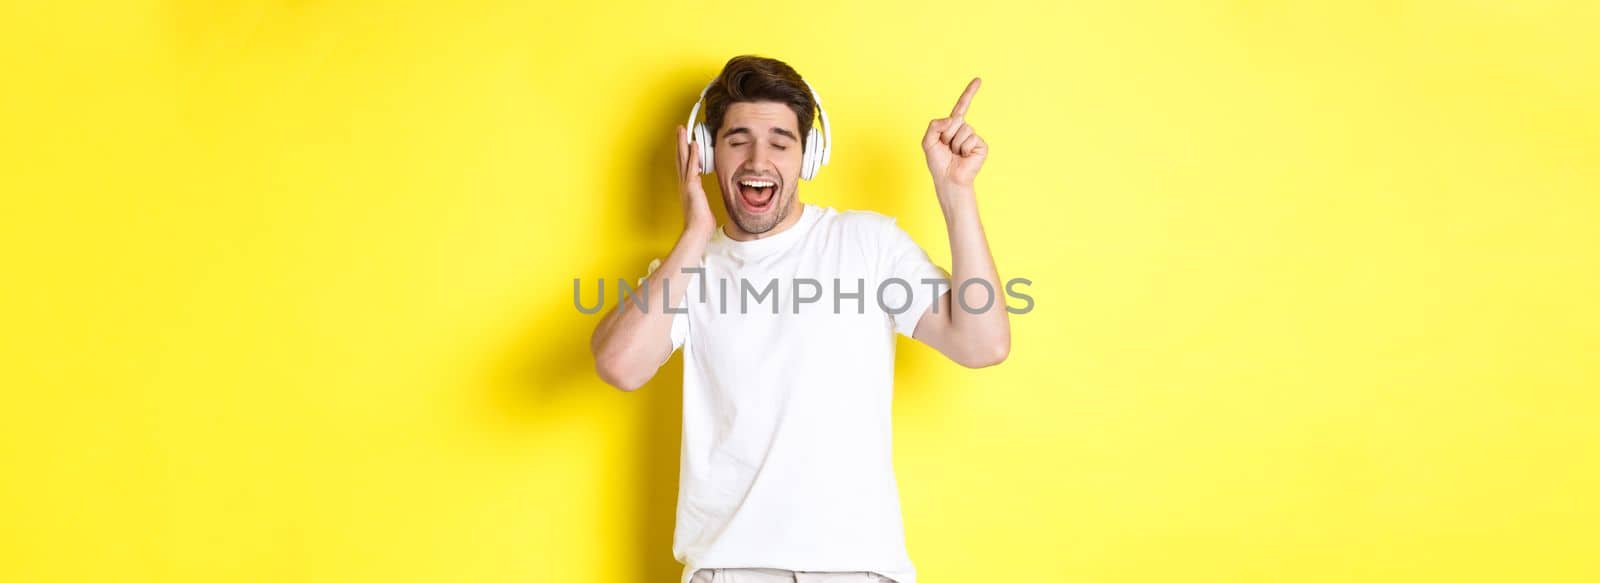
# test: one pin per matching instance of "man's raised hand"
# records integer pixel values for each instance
(696, 212)
(953, 148)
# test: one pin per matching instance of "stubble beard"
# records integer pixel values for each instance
(759, 224)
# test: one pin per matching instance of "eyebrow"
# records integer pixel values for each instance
(746, 131)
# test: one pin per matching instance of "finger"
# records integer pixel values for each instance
(692, 168)
(960, 109)
(683, 148)
(932, 136)
(968, 145)
(948, 135)
(962, 134)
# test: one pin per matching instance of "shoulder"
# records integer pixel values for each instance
(875, 235)
(862, 222)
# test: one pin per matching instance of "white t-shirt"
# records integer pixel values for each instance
(786, 457)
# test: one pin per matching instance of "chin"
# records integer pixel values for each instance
(758, 224)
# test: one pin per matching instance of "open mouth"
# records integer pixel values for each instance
(757, 194)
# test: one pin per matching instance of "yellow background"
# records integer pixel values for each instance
(287, 288)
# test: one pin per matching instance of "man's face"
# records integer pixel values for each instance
(757, 157)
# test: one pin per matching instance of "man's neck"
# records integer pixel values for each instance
(732, 231)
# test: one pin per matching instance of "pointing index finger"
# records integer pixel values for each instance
(966, 98)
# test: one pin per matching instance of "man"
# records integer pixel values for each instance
(786, 472)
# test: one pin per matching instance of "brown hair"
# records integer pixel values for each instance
(748, 78)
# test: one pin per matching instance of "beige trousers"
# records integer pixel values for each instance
(761, 575)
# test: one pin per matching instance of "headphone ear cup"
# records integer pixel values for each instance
(805, 162)
(702, 140)
(812, 160)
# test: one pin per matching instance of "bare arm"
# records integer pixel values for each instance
(630, 344)
(974, 330)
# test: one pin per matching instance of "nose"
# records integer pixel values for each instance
(759, 159)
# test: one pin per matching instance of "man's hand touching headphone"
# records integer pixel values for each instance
(697, 215)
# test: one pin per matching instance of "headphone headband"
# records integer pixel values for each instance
(696, 111)
(827, 132)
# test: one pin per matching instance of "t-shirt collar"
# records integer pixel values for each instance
(757, 247)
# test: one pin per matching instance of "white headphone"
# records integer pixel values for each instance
(818, 147)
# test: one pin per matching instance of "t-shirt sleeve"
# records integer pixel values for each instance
(902, 259)
(680, 322)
